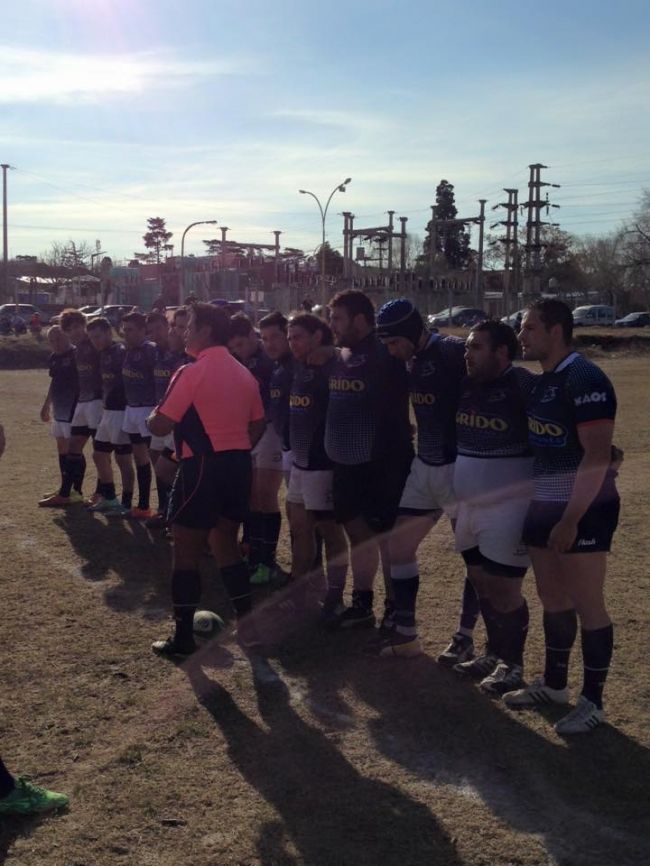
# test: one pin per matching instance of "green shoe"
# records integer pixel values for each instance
(28, 799)
(108, 506)
(261, 576)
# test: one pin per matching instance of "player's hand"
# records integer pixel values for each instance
(563, 536)
(45, 414)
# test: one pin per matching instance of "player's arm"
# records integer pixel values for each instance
(45, 409)
(160, 424)
(596, 441)
(256, 430)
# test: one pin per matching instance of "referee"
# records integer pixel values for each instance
(215, 410)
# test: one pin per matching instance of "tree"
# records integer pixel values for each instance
(333, 260)
(156, 237)
(451, 240)
(71, 254)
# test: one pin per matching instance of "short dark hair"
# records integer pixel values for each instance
(138, 319)
(276, 319)
(181, 311)
(240, 325)
(499, 334)
(356, 303)
(552, 311)
(99, 324)
(215, 318)
(312, 323)
(156, 316)
(71, 317)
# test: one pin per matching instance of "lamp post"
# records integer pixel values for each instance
(191, 225)
(323, 214)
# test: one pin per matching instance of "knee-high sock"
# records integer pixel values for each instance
(560, 630)
(253, 533)
(144, 485)
(186, 595)
(405, 582)
(163, 495)
(270, 532)
(237, 581)
(62, 458)
(491, 627)
(597, 649)
(74, 473)
(471, 607)
(514, 630)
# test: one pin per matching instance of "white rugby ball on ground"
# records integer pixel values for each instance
(207, 623)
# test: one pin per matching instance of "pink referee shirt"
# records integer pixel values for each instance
(224, 394)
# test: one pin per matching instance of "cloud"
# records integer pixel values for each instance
(351, 120)
(28, 75)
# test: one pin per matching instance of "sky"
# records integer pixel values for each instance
(114, 111)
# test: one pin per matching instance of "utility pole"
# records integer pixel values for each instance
(5, 246)
(534, 224)
(510, 243)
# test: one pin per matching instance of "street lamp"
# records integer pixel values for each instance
(340, 187)
(191, 225)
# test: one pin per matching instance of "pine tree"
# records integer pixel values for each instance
(453, 241)
(156, 237)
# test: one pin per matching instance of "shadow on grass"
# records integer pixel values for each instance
(331, 813)
(587, 797)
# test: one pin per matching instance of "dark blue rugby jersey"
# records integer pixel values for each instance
(368, 413)
(307, 413)
(166, 364)
(138, 373)
(279, 390)
(576, 392)
(64, 389)
(435, 375)
(90, 379)
(491, 418)
(111, 362)
(261, 366)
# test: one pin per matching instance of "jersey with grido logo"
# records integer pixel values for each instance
(279, 390)
(494, 458)
(64, 389)
(111, 362)
(368, 413)
(435, 374)
(90, 379)
(575, 393)
(138, 373)
(308, 403)
(166, 364)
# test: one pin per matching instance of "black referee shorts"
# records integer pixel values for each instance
(595, 529)
(371, 490)
(209, 487)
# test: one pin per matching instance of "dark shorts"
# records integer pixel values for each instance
(595, 529)
(210, 487)
(370, 490)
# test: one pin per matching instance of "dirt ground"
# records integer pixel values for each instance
(319, 754)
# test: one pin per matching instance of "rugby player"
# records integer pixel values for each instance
(263, 525)
(110, 437)
(574, 512)
(368, 439)
(140, 391)
(493, 486)
(273, 332)
(309, 497)
(168, 360)
(61, 398)
(436, 368)
(215, 410)
(87, 413)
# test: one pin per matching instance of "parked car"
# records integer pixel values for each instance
(25, 311)
(461, 317)
(112, 312)
(514, 319)
(633, 320)
(593, 316)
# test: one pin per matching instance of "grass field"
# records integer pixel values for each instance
(318, 755)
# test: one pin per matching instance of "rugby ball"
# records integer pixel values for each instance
(207, 623)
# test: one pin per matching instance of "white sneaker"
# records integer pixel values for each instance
(503, 679)
(584, 718)
(537, 694)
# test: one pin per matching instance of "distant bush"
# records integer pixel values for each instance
(23, 353)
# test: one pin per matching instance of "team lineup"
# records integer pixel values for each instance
(219, 415)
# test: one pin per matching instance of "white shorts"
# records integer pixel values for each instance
(495, 529)
(88, 414)
(159, 443)
(311, 488)
(135, 418)
(430, 488)
(60, 429)
(110, 428)
(267, 454)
